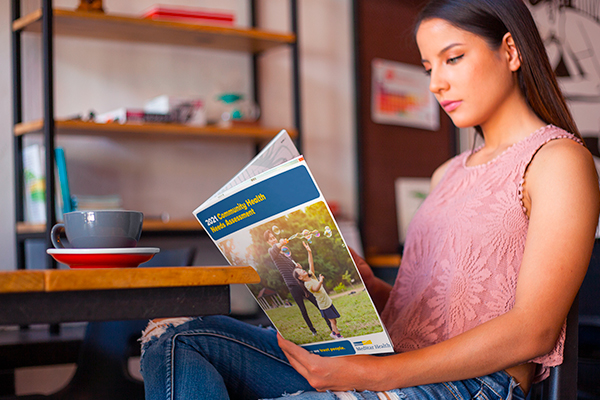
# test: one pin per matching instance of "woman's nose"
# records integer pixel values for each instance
(437, 82)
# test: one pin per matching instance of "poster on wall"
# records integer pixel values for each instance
(400, 96)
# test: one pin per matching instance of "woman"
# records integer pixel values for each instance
(492, 261)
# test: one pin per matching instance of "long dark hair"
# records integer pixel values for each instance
(491, 20)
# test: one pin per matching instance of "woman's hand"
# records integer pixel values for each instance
(365, 269)
(327, 373)
(378, 289)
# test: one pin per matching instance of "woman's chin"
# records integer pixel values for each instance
(462, 123)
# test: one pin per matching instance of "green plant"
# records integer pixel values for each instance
(340, 288)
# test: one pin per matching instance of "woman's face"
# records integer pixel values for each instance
(469, 79)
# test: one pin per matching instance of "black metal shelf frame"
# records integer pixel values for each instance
(49, 122)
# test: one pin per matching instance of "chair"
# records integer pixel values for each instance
(589, 331)
(102, 370)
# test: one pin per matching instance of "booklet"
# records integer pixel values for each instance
(273, 217)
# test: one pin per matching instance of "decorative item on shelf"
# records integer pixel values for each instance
(188, 110)
(190, 15)
(90, 5)
(231, 109)
(131, 115)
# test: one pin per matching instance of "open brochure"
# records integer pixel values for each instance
(273, 217)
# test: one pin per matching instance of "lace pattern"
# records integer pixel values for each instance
(464, 250)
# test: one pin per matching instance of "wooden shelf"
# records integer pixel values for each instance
(131, 29)
(158, 130)
(149, 226)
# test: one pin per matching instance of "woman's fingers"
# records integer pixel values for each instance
(295, 355)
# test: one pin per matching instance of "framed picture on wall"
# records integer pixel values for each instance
(410, 194)
(400, 96)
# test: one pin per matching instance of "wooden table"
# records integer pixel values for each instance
(54, 296)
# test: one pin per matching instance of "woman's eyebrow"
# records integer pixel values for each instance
(445, 49)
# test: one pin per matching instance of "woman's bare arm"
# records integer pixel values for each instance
(565, 202)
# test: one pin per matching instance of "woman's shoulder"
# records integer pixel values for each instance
(563, 148)
(562, 159)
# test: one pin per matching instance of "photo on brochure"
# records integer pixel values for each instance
(335, 301)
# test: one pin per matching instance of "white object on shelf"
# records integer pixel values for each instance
(184, 110)
(120, 115)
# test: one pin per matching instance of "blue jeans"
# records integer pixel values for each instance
(220, 358)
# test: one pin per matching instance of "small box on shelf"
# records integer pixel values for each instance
(190, 15)
(131, 115)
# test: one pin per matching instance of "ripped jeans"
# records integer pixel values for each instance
(220, 358)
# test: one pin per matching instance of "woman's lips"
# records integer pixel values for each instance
(450, 105)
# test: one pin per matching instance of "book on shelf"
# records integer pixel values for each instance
(273, 216)
(34, 170)
(34, 182)
(63, 180)
(190, 15)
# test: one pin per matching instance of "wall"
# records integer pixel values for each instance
(388, 151)
(174, 177)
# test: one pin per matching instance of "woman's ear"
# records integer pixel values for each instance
(511, 51)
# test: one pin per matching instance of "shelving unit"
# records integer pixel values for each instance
(118, 27)
(50, 22)
(149, 130)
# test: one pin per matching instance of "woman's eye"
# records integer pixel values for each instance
(454, 60)
(428, 72)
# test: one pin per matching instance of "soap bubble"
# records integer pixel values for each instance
(306, 233)
(327, 231)
(316, 233)
(286, 251)
(275, 230)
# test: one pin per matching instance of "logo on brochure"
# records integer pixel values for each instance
(368, 345)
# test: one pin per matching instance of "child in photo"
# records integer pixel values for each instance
(315, 286)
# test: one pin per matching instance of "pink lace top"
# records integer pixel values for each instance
(463, 251)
